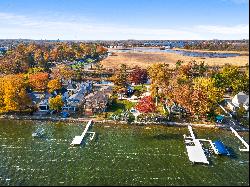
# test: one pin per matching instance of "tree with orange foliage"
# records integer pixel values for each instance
(39, 81)
(63, 72)
(199, 96)
(146, 105)
(101, 50)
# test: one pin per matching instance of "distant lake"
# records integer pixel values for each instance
(118, 155)
(181, 52)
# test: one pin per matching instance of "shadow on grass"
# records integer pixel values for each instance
(116, 106)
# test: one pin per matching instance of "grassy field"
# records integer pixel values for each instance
(145, 59)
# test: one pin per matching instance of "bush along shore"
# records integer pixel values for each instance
(115, 122)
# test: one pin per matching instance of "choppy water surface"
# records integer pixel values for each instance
(118, 155)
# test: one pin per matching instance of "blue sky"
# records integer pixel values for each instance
(124, 19)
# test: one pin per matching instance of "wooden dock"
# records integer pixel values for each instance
(78, 139)
(191, 131)
(241, 139)
(195, 152)
(194, 148)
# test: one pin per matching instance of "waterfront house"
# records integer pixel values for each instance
(43, 105)
(97, 102)
(40, 100)
(71, 88)
(74, 97)
(73, 102)
(238, 99)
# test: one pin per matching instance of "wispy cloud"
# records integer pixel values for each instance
(19, 26)
(237, 1)
(228, 30)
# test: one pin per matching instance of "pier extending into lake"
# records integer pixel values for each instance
(78, 139)
(51, 161)
(241, 139)
(194, 148)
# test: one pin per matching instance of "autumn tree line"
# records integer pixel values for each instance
(27, 68)
(26, 56)
(195, 87)
(218, 46)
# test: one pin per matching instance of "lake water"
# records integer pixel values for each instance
(118, 155)
(182, 52)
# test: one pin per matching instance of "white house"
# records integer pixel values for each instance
(238, 99)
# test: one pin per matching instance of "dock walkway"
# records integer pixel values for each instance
(78, 139)
(241, 139)
(196, 153)
(194, 148)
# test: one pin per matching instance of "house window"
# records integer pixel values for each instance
(44, 107)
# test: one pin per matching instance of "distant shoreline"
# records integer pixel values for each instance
(243, 53)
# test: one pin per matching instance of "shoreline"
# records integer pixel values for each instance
(243, 53)
(166, 124)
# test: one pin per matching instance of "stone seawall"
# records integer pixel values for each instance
(85, 119)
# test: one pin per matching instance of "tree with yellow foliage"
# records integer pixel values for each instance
(232, 78)
(13, 93)
(160, 75)
(54, 84)
(213, 94)
(56, 103)
(1, 92)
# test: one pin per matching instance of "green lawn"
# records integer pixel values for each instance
(119, 105)
(140, 88)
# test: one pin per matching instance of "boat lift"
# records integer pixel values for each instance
(195, 150)
(78, 139)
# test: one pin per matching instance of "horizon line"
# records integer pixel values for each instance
(120, 39)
